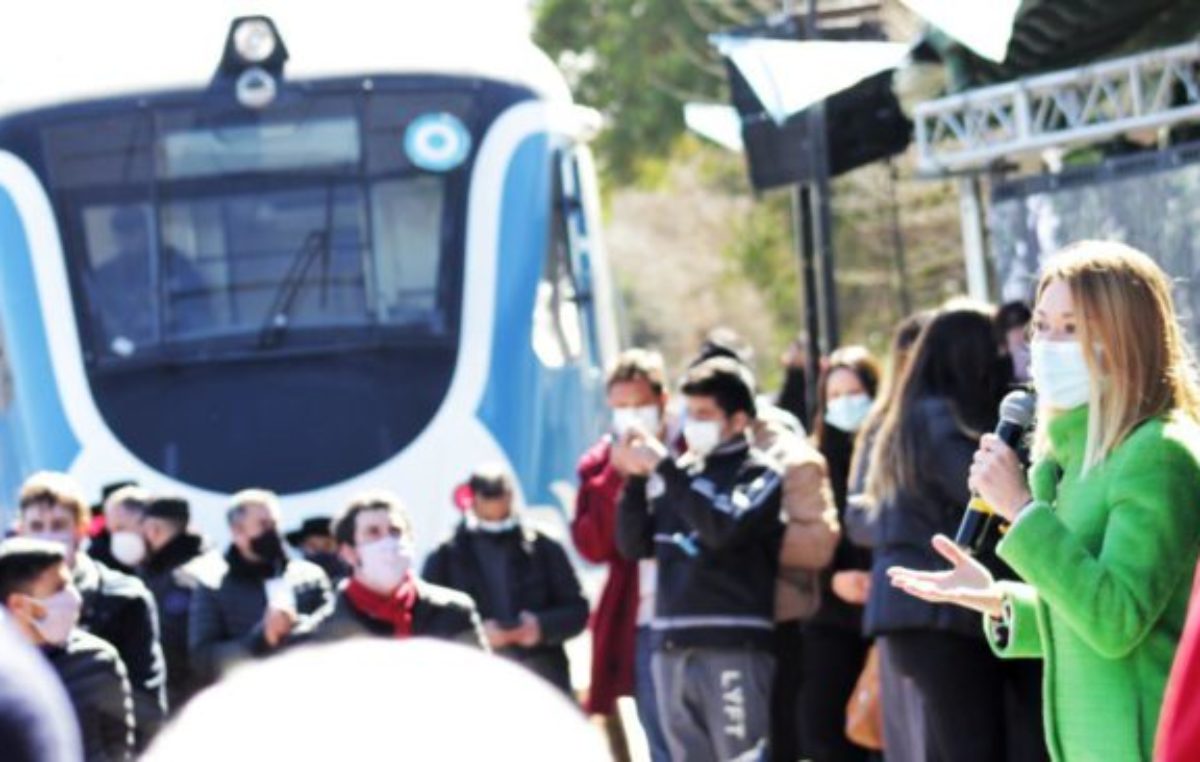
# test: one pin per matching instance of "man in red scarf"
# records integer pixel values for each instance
(383, 596)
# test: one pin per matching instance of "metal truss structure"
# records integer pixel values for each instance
(972, 130)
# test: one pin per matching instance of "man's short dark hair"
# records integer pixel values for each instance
(22, 561)
(345, 522)
(1013, 315)
(173, 509)
(490, 480)
(727, 381)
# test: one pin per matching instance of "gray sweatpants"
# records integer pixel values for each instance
(714, 703)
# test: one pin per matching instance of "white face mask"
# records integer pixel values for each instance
(128, 547)
(492, 527)
(625, 418)
(383, 564)
(702, 436)
(847, 413)
(62, 612)
(1060, 374)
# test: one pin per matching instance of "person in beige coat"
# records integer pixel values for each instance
(809, 542)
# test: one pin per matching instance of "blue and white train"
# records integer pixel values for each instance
(309, 252)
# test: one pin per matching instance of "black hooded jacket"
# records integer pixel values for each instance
(98, 688)
(714, 526)
(172, 591)
(509, 572)
(119, 609)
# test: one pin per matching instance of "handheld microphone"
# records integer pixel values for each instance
(1016, 416)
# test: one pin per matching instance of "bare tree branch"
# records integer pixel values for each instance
(704, 60)
(683, 95)
(700, 18)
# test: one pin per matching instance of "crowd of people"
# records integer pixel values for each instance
(781, 579)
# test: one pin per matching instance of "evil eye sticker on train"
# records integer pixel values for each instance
(437, 142)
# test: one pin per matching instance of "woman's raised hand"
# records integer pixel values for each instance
(967, 583)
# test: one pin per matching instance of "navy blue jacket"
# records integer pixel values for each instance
(906, 522)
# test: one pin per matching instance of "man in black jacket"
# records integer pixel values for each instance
(254, 600)
(116, 607)
(169, 547)
(36, 590)
(524, 584)
(712, 520)
(383, 597)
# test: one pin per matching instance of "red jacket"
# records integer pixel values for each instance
(614, 621)
(1179, 726)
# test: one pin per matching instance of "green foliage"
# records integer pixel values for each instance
(637, 61)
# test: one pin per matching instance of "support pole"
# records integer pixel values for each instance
(822, 217)
(898, 242)
(803, 237)
(970, 207)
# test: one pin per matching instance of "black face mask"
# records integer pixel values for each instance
(269, 547)
(333, 565)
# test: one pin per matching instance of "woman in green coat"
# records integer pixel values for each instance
(1106, 529)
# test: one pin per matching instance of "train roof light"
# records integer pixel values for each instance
(254, 39)
(256, 88)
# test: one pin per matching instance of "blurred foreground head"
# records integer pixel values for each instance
(365, 699)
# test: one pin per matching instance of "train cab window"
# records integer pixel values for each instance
(405, 216)
(557, 322)
(194, 227)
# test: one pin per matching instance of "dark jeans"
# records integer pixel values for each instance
(786, 732)
(977, 707)
(647, 705)
(833, 659)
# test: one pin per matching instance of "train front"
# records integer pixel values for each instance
(268, 280)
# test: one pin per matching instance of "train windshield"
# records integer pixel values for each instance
(195, 229)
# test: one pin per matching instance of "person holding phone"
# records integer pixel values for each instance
(712, 520)
(1105, 529)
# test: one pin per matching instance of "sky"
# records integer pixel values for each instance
(153, 42)
(34, 27)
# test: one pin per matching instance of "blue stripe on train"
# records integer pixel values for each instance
(542, 417)
(34, 428)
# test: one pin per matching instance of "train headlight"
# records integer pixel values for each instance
(254, 39)
(253, 42)
(256, 88)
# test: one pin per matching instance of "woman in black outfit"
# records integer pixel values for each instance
(834, 648)
(919, 464)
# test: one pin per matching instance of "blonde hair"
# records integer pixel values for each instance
(1140, 365)
(55, 488)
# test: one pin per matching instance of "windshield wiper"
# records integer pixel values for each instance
(276, 321)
